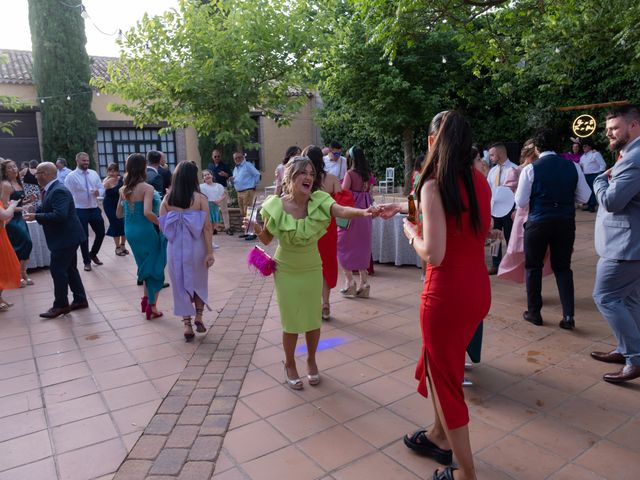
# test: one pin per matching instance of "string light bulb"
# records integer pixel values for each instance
(42, 100)
(83, 12)
(68, 97)
(444, 59)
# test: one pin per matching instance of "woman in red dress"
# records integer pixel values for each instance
(455, 201)
(9, 264)
(328, 243)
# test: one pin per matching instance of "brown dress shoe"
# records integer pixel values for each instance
(628, 372)
(78, 306)
(609, 357)
(55, 312)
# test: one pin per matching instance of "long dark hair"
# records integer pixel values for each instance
(450, 159)
(183, 185)
(292, 151)
(359, 163)
(314, 153)
(4, 163)
(135, 173)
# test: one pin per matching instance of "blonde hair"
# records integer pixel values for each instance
(295, 167)
(528, 151)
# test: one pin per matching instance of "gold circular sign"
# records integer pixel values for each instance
(584, 126)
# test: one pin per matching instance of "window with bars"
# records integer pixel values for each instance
(116, 144)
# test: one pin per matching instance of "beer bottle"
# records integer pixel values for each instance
(413, 216)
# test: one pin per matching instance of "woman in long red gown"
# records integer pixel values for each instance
(455, 198)
(328, 243)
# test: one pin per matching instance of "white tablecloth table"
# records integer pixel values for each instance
(389, 245)
(40, 255)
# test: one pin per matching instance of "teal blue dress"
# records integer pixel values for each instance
(149, 246)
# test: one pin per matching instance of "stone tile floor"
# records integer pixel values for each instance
(80, 394)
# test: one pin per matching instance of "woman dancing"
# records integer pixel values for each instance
(139, 205)
(298, 219)
(184, 220)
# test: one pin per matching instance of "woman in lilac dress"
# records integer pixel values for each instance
(354, 242)
(184, 220)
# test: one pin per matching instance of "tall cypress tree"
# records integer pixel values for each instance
(61, 70)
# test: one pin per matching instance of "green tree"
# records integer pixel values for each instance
(61, 72)
(208, 65)
(373, 100)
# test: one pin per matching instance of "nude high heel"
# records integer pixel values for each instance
(363, 291)
(350, 291)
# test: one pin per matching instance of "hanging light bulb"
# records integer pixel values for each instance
(68, 97)
(83, 12)
(444, 59)
(97, 94)
(557, 50)
(42, 100)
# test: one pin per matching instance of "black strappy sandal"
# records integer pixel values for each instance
(418, 442)
(444, 474)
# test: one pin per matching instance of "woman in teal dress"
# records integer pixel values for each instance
(298, 219)
(139, 205)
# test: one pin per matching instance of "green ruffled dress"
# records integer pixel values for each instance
(298, 276)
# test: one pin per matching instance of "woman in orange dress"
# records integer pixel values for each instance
(9, 264)
(456, 198)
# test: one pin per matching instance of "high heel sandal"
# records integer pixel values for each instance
(326, 312)
(350, 291)
(151, 314)
(200, 328)
(188, 334)
(363, 291)
(295, 384)
(144, 301)
(314, 379)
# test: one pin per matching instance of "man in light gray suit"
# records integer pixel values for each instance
(617, 238)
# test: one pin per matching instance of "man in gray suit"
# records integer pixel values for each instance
(617, 239)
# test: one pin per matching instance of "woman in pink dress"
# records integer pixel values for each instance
(354, 241)
(512, 264)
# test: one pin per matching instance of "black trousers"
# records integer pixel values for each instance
(505, 224)
(558, 236)
(93, 217)
(64, 271)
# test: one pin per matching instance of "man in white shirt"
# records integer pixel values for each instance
(592, 165)
(334, 162)
(550, 187)
(496, 178)
(63, 170)
(85, 186)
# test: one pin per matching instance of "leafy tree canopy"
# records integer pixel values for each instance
(208, 65)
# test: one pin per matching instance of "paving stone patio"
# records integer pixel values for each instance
(103, 393)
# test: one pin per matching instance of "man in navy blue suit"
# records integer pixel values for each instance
(63, 232)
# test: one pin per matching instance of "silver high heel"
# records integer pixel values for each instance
(295, 384)
(350, 291)
(314, 379)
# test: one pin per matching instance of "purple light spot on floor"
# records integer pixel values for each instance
(323, 344)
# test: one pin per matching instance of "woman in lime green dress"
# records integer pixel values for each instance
(298, 219)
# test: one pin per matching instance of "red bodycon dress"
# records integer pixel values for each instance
(456, 297)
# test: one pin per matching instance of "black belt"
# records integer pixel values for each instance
(245, 190)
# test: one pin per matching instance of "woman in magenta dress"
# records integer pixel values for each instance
(354, 242)
(184, 220)
(455, 198)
